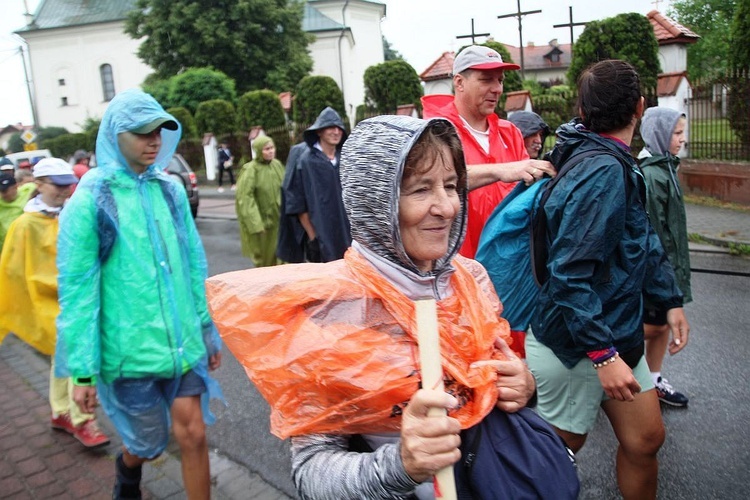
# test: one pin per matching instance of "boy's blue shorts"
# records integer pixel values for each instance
(140, 409)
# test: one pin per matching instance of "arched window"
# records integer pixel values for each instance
(108, 82)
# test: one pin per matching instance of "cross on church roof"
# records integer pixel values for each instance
(472, 33)
(518, 15)
(570, 24)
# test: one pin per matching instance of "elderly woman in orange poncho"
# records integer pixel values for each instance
(332, 347)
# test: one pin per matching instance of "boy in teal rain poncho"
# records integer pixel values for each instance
(134, 327)
(258, 202)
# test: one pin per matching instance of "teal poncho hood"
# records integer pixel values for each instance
(129, 111)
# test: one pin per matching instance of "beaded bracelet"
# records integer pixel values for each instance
(606, 362)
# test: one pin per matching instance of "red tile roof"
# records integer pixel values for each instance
(534, 56)
(441, 68)
(668, 83)
(668, 31)
(516, 101)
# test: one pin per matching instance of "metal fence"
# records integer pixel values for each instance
(718, 116)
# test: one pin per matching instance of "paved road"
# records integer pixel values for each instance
(706, 454)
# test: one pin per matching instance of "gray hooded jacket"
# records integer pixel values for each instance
(372, 165)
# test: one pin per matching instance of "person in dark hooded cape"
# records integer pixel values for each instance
(291, 233)
(313, 194)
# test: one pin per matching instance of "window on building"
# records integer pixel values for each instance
(108, 82)
(64, 101)
(61, 82)
(554, 57)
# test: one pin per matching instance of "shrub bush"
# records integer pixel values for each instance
(260, 107)
(197, 85)
(187, 121)
(391, 84)
(216, 116)
(63, 146)
(313, 95)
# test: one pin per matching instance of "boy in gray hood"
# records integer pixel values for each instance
(663, 131)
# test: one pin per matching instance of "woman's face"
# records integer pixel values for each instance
(428, 204)
(269, 151)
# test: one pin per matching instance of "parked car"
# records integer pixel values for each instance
(18, 158)
(179, 169)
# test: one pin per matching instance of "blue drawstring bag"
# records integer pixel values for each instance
(514, 456)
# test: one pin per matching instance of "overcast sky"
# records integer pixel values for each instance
(421, 30)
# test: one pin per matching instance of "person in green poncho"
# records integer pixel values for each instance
(258, 202)
(12, 200)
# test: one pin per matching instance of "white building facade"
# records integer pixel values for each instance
(76, 72)
(78, 66)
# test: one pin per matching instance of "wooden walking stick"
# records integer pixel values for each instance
(432, 378)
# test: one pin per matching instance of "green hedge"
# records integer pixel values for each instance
(63, 146)
(216, 116)
(260, 107)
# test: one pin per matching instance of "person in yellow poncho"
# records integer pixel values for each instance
(13, 198)
(258, 201)
(28, 290)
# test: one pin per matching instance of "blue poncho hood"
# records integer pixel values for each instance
(130, 110)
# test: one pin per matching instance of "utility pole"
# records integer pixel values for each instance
(518, 15)
(570, 25)
(28, 87)
(29, 21)
(473, 34)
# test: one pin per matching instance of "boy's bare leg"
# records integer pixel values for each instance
(190, 433)
(657, 340)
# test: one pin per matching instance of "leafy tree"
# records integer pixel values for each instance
(512, 78)
(389, 53)
(390, 84)
(260, 107)
(258, 43)
(629, 37)
(313, 95)
(739, 59)
(186, 120)
(15, 143)
(196, 85)
(216, 116)
(712, 20)
(159, 88)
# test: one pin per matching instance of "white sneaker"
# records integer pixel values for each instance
(220, 190)
(234, 188)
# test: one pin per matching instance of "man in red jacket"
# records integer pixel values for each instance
(496, 157)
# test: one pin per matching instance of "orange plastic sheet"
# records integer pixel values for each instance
(332, 347)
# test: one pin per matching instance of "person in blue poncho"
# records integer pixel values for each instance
(134, 329)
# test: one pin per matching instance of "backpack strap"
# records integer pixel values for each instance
(538, 226)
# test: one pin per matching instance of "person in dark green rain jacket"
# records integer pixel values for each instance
(663, 131)
(258, 202)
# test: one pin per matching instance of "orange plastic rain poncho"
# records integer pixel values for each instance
(332, 347)
(28, 282)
